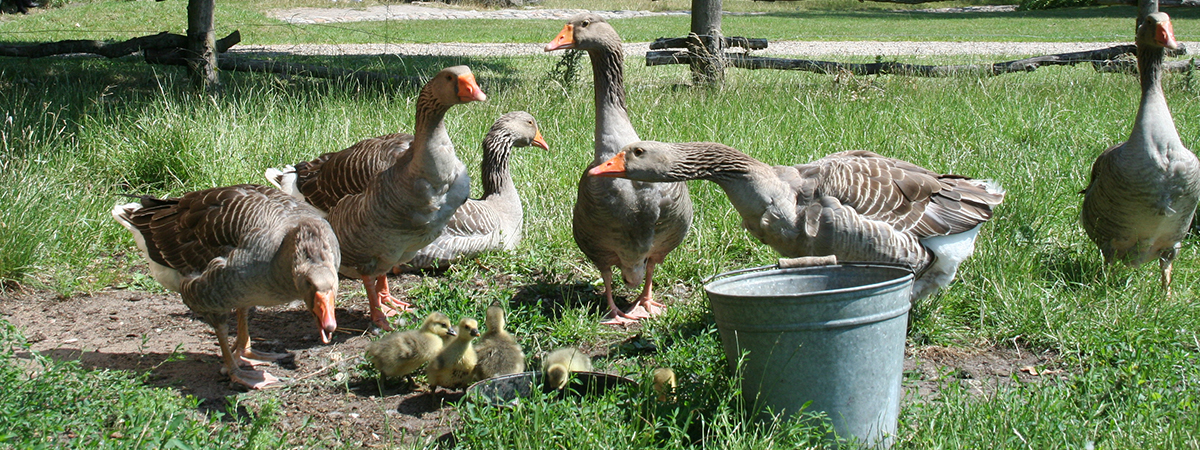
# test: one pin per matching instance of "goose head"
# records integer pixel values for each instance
(438, 324)
(314, 272)
(521, 128)
(468, 328)
(1156, 32)
(495, 318)
(453, 86)
(586, 31)
(649, 161)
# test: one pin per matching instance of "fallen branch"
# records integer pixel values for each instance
(1105, 58)
(162, 41)
(308, 70)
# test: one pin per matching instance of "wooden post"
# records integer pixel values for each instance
(201, 45)
(1145, 8)
(706, 20)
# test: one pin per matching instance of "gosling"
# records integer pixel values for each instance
(399, 354)
(453, 366)
(499, 353)
(558, 365)
(664, 383)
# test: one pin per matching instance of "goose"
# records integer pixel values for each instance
(390, 196)
(558, 365)
(627, 224)
(664, 383)
(499, 353)
(492, 222)
(1143, 192)
(231, 248)
(400, 353)
(452, 367)
(856, 205)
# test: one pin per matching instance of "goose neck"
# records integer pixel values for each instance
(613, 127)
(497, 149)
(1153, 127)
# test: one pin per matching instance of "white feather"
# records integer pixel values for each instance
(168, 277)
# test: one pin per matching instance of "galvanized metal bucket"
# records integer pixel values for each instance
(832, 335)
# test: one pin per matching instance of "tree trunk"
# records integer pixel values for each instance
(202, 54)
(708, 67)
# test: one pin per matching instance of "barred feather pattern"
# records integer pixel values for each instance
(857, 205)
(231, 247)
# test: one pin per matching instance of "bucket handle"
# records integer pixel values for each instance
(784, 263)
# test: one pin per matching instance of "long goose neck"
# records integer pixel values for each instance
(1154, 128)
(433, 152)
(613, 128)
(497, 147)
(749, 183)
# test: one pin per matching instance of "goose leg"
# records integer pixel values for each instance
(645, 306)
(242, 353)
(378, 315)
(615, 315)
(253, 379)
(1164, 263)
(385, 295)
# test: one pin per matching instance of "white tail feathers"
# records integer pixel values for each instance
(284, 179)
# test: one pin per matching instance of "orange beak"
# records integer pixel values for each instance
(614, 167)
(565, 39)
(323, 309)
(1165, 35)
(468, 89)
(539, 142)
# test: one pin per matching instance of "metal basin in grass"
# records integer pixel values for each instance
(508, 389)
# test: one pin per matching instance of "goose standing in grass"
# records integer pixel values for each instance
(388, 197)
(231, 248)
(558, 365)
(400, 353)
(856, 205)
(499, 353)
(1143, 192)
(494, 221)
(453, 366)
(627, 224)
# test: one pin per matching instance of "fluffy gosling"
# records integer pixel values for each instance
(558, 365)
(399, 354)
(452, 367)
(664, 383)
(499, 353)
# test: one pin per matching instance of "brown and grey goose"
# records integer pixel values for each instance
(390, 196)
(231, 248)
(856, 205)
(628, 224)
(494, 221)
(1143, 192)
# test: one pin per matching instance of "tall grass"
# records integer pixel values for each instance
(80, 131)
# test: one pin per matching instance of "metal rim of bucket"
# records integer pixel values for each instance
(734, 275)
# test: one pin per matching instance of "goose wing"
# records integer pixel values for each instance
(332, 176)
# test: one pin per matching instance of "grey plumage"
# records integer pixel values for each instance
(615, 222)
(388, 197)
(857, 205)
(1143, 192)
(231, 248)
(494, 221)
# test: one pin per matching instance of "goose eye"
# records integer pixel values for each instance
(585, 23)
(638, 151)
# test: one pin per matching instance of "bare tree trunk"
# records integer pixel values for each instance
(202, 57)
(708, 67)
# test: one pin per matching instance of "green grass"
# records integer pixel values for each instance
(821, 20)
(53, 404)
(79, 131)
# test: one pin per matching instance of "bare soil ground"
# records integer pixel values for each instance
(325, 395)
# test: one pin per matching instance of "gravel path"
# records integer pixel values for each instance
(415, 11)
